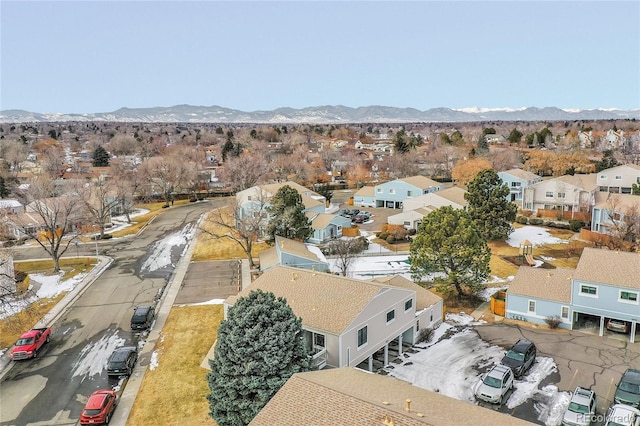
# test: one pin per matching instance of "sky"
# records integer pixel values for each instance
(99, 56)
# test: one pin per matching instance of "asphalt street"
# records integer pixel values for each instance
(52, 389)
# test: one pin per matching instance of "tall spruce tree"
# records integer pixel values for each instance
(100, 157)
(489, 206)
(287, 218)
(260, 345)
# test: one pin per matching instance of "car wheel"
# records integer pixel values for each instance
(48, 337)
(35, 353)
(106, 420)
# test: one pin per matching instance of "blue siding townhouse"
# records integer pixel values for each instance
(517, 180)
(605, 285)
(393, 194)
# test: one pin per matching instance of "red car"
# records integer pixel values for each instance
(99, 407)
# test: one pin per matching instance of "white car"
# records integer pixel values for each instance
(495, 385)
(582, 408)
(622, 415)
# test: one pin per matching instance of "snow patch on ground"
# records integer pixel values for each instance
(208, 302)
(161, 255)
(490, 291)
(536, 235)
(153, 364)
(551, 405)
(527, 386)
(93, 357)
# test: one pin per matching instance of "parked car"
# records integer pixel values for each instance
(353, 212)
(366, 214)
(495, 385)
(122, 361)
(99, 407)
(622, 415)
(344, 213)
(617, 325)
(520, 357)
(582, 408)
(359, 219)
(142, 317)
(29, 343)
(628, 389)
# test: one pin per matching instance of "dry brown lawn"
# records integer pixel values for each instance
(13, 326)
(175, 392)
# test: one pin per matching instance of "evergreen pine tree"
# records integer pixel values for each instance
(260, 345)
(287, 218)
(4, 191)
(489, 206)
(100, 157)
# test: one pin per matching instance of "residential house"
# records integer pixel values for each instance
(326, 226)
(536, 294)
(394, 193)
(345, 321)
(287, 252)
(567, 194)
(516, 180)
(11, 206)
(619, 179)
(352, 397)
(604, 285)
(616, 214)
(414, 209)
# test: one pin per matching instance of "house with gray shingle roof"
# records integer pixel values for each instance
(616, 214)
(619, 179)
(326, 226)
(415, 209)
(564, 193)
(352, 397)
(605, 285)
(289, 252)
(346, 321)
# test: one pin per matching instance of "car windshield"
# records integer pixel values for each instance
(515, 355)
(92, 412)
(578, 408)
(27, 341)
(492, 381)
(630, 387)
(117, 364)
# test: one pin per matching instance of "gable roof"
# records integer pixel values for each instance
(421, 182)
(351, 397)
(621, 201)
(424, 297)
(453, 194)
(366, 191)
(616, 268)
(622, 166)
(522, 174)
(324, 301)
(586, 182)
(547, 284)
(309, 198)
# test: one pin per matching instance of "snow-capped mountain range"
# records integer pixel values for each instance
(322, 115)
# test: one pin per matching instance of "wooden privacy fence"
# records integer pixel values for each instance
(564, 215)
(498, 303)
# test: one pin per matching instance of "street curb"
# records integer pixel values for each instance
(59, 309)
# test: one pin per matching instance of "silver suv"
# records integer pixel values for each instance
(495, 385)
(582, 408)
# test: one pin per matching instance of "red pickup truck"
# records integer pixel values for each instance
(29, 343)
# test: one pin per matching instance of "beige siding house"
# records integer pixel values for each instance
(566, 193)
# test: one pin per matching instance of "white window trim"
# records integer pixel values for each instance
(529, 306)
(357, 335)
(568, 312)
(593, 296)
(392, 191)
(630, 302)
(618, 178)
(405, 304)
(389, 321)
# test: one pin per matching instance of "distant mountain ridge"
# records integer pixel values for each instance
(321, 115)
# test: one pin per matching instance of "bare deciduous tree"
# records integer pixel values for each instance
(244, 171)
(100, 198)
(624, 219)
(346, 251)
(168, 175)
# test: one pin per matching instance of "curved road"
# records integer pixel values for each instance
(52, 389)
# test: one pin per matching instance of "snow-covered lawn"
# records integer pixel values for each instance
(536, 236)
(455, 358)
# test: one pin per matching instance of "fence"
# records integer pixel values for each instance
(564, 215)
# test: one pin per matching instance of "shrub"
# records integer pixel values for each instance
(20, 276)
(523, 220)
(412, 231)
(106, 237)
(536, 221)
(425, 335)
(553, 321)
(576, 225)
(383, 236)
(391, 239)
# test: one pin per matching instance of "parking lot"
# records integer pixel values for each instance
(461, 351)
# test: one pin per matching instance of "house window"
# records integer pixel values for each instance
(628, 296)
(249, 198)
(603, 177)
(548, 194)
(408, 304)
(532, 306)
(588, 290)
(515, 184)
(561, 194)
(391, 315)
(379, 190)
(616, 216)
(362, 336)
(406, 224)
(392, 191)
(618, 177)
(564, 312)
(318, 340)
(409, 193)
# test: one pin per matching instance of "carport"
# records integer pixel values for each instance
(584, 321)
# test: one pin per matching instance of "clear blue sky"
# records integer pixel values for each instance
(91, 56)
